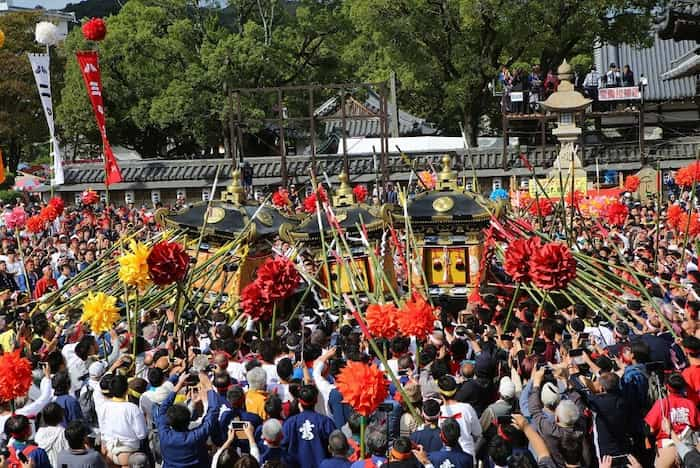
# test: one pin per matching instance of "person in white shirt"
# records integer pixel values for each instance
(320, 370)
(463, 413)
(160, 388)
(51, 436)
(122, 424)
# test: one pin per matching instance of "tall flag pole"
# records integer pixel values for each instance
(46, 34)
(90, 69)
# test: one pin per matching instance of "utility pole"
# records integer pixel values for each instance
(393, 106)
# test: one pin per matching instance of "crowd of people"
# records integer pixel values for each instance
(563, 385)
(524, 91)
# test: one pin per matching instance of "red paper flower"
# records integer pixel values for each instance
(167, 263)
(363, 387)
(95, 29)
(360, 192)
(58, 205)
(15, 376)
(631, 183)
(254, 303)
(552, 266)
(517, 258)
(35, 224)
(673, 216)
(417, 317)
(277, 278)
(310, 201)
(545, 205)
(616, 213)
(382, 320)
(89, 197)
(280, 198)
(685, 176)
(48, 213)
(573, 199)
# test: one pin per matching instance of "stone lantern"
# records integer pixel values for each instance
(566, 102)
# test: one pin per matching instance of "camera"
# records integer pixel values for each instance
(192, 380)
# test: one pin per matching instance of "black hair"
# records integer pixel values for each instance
(354, 422)
(61, 383)
(178, 417)
(75, 434)
(640, 350)
(307, 396)
(82, 349)
(16, 425)
(156, 377)
(268, 351)
(118, 386)
(450, 432)
(285, 369)
(403, 445)
(52, 414)
(399, 345)
(273, 407)
(55, 360)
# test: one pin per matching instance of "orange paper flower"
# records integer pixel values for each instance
(685, 176)
(616, 213)
(673, 216)
(15, 376)
(363, 387)
(382, 320)
(631, 183)
(417, 317)
(35, 224)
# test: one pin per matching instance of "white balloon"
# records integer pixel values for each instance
(46, 33)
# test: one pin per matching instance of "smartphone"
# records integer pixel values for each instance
(576, 352)
(196, 351)
(619, 461)
(238, 425)
(583, 336)
(22, 457)
(507, 337)
(503, 420)
(386, 407)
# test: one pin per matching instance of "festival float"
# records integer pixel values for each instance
(447, 224)
(217, 222)
(347, 241)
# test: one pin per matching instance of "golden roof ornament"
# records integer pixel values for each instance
(235, 193)
(447, 178)
(344, 195)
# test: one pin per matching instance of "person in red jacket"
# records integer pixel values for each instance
(45, 283)
(691, 374)
(674, 410)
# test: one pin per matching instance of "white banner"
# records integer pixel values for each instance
(40, 67)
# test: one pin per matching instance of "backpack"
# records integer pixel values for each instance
(13, 461)
(87, 405)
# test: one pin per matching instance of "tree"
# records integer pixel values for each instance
(22, 121)
(446, 52)
(167, 66)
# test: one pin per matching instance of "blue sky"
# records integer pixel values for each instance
(45, 3)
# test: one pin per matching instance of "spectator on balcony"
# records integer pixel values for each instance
(613, 78)
(627, 76)
(550, 83)
(535, 80)
(591, 83)
(504, 77)
(520, 85)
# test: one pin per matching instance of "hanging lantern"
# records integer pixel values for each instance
(95, 29)
(2, 38)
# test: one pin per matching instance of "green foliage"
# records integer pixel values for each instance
(9, 196)
(21, 117)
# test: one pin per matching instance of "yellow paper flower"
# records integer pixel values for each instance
(133, 267)
(100, 311)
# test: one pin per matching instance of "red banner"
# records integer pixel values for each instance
(90, 68)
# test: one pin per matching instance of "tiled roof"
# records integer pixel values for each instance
(144, 174)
